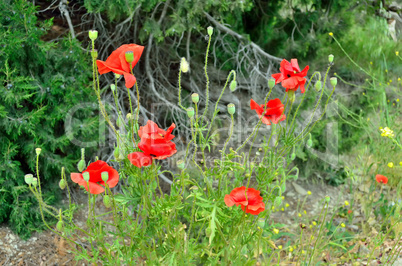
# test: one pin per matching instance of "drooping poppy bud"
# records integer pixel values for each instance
(62, 184)
(81, 165)
(318, 85)
(309, 141)
(60, 226)
(233, 85)
(277, 201)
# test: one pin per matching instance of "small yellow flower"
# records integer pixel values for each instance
(312, 237)
(314, 223)
(305, 212)
(303, 251)
(309, 192)
(364, 93)
(379, 83)
(280, 247)
(397, 100)
(399, 79)
(276, 231)
(294, 247)
(371, 63)
(273, 208)
(342, 224)
(283, 197)
(390, 81)
(259, 228)
(388, 100)
(387, 132)
(388, 84)
(400, 163)
(386, 70)
(331, 34)
(311, 226)
(397, 53)
(346, 203)
(299, 214)
(391, 164)
(368, 119)
(290, 249)
(393, 104)
(283, 209)
(287, 205)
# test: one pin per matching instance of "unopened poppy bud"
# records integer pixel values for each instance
(105, 176)
(120, 122)
(208, 232)
(62, 184)
(210, 30)
(117, 75)
(86, 176)
(293, 156)
(278, 201)
(233, 85)
(28, 179)
(129, 116)
(34, 181)
(93, 34)
(184, 65)
(116, 153)
(38, 150)
(106, 201)
(60, 226)
(327, 198)
(333, 81)
(231, 108)
(195, 97)
(331, 58)
(318, 85)
(113, 87)
(309, 141)
(129, 56)
(261, 223)
(291, 95)
(81, 165)
(94, 54)
(180, 164)
(190, 112)
(271, 83)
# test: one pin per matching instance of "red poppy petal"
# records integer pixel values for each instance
(255, 106)
(94, 188)
(295, 65)
(303, 73)
(95, 166)
(286, 66)
(102, 67)
(130, 79)
(140, 159)
(278, 77)
(113, 177)
(229, 201)
(291, 83)
(77, 178)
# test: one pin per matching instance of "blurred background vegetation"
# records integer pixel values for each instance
(46, 72)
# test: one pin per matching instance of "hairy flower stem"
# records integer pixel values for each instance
(180, 105)
(319, 232)
(207, 78)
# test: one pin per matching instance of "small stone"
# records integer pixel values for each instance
(299, 189)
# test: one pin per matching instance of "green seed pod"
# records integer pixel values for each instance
(81, 165)
(62, 184)
(94, 54)
(38, 151)
(190, 112)
(105, 176)
(28, 179)
(34, 181)
(93, 34)
(261, 223)
(86, 176)
(333, 81)
(327, 198)
(277, 201)
(180, 164)
(233, 85)
(184, 65)
(210, 30)
(318, 85)
(271, 83)
(60, 226)
(117, 75)
(113, 87)
(195, 98)
(231, 108)
(129, 55)
(106, 201)
(331, 58)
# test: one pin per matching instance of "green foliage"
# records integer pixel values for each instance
(40, 83)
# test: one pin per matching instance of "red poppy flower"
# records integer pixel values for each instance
(95, 182)
(349, 211)
(291, 76)
(381, 179)
(252, 204)
(117, 63)
(273, 114)
(155, 143)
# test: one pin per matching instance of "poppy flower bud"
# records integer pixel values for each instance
(271, 83)
(190, 112)
(116, 153)
(38, 150)
(261, 223)
(120, 122)
(105, 176)
(327, 198)
(28, 179)
(93, 34)
(180, 164)
(106, 201)
(233, 85)
(333, 81)
(117, 75)
(184, 65)
(293, 156)
(208, 232)
(309, 141)
(277, 201)
(81, 165)
(129, 56)
(195, 97)
(129, 116)
(210, 30)
(113, 87)
(34, 181)
(86, 176)
(291, 95)
(62, 184)
(318, 85)
(94, 54)
(60, 226)
(331, 58)
(231, 108)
